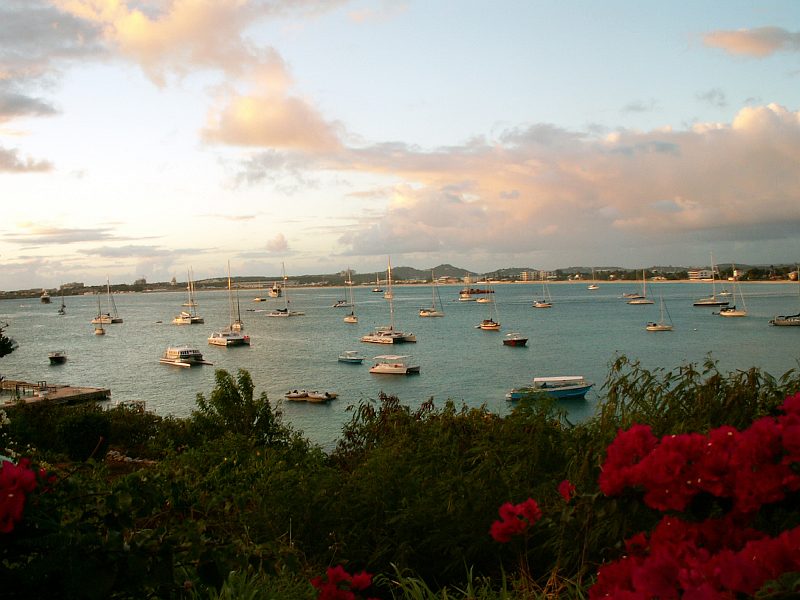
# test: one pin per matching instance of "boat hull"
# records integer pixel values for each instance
(517, 342)
(786, 321)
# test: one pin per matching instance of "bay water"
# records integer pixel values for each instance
(580, 335)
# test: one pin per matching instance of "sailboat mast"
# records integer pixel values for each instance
(391, 295)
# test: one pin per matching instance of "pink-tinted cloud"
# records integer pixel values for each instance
(758, 42)
(12, 162)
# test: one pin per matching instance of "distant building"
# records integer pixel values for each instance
(700, 274)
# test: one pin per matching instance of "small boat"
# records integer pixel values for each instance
(296, 395)
(593, 286)
(377, 289)
(388, 334)
(57, 357)
(45, 297)
(546, 301)
(229, 337)
(661, 324)
(353, 357)
(393, 364)
(341, 304)
(561, 387)
(98, 322)
(711, 300)
(319, 397)
(788, 320)
(641, 298)
(351, 318)
(515, 339)
(732, 311)
(489, 325)
(433, 311)
(285, 311)
(182, 356)
(275, 290)
(189, 317)
(62, 310)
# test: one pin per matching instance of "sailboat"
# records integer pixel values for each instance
(112, 316)
(593, 286)
(388, 334)
(275, 290)
(661, 324)
(491, 324)
(643, 299)
(189, 317)
(377, 289)
(711, 300)
(285, 311)
(389, 293)
(546, 300)
(98, 325)
(788, 320)
(63, 308)
(351, 318)
(732, 311)
(232, 336)
(433, 311)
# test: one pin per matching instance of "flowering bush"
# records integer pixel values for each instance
(567, 490)
(715, 558)
(515, 519)
(16, 481)
(341, 585)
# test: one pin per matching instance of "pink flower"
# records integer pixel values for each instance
(515, 519)
(567, 490)
(15, 482)
(338, 584)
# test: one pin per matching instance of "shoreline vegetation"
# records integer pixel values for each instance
(446, 275)
(231, 502)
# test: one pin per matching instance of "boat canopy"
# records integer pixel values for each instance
(391, 356)
(558, 379)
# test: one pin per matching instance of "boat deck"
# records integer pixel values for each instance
(12, 391)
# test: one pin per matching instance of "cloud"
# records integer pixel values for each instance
(541, 188)
(10, 162)
(278, 244)
(268, 116)
(14, 104)
(715, 97)
(133, 251)
(640, 106)
(38, 235)
(759, 42)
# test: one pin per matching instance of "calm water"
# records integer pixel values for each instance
(580, 335)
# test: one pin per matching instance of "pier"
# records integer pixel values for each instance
(41, 392)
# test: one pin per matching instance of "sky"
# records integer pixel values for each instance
(142, 138)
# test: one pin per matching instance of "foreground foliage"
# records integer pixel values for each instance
(232, 502)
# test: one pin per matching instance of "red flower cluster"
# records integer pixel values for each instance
(15, 482)
(751, 467)
(716, 558)
(515, 519)
(340, 584)
(567, 490)
(712, 560)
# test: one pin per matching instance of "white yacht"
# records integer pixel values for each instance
(393, 364)
(285, 311)
(228, 337)
(182, 356)
(189, 317)
(388, 334)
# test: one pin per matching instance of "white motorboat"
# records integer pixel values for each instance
(229, 337)
(559, 387)
(489, 325)
(182, 356)
(515, 339)
(45, 297)
(275, 290)
(393, 364)
(593, 286)
(353, 357)
(316, 397)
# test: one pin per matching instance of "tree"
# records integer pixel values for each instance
(231, 408)
(7, 345)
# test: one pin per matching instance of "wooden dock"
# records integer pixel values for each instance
(42, 392)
